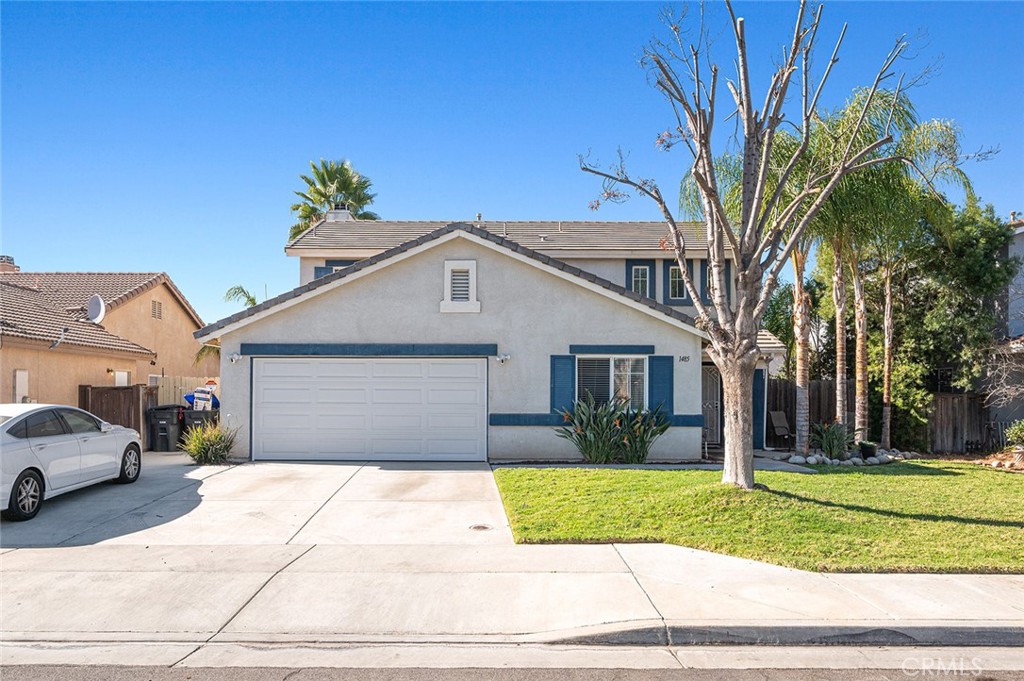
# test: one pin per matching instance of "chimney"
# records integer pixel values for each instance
(340, 213)
(7, 264)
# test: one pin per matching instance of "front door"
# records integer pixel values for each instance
(711, 404)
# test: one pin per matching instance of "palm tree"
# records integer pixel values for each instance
(331, 183)
(238, 294)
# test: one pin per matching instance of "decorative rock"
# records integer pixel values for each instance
(857, 461)
(872, 461)
(797, 459)
(848, 462)
(882, 451)
(997, 464)
(812, 460)
(883, 458)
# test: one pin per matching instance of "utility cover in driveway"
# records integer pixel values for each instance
(343, 409)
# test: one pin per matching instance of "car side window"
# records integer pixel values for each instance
(80, 422)
(44, 424)
(19, 430)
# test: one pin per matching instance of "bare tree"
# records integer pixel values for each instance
(774, 214)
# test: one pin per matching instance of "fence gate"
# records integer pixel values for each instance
(121, 406)
(710, 404)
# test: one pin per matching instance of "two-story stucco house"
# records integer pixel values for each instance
(462, 341)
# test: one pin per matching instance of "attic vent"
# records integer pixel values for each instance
(157, 309)
(460, 286)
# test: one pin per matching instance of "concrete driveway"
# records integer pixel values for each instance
(176, 503)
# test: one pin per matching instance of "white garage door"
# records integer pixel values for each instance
(331, 409)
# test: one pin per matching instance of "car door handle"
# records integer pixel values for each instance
(85, 439)
(40, 446)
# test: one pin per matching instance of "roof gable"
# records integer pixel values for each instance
(450, 231)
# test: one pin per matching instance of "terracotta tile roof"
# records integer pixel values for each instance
(557, 235)
(32, 314)
(666, 310)
(71, 290)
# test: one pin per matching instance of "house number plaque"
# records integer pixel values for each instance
(684, 358)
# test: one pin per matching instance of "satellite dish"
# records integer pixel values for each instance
(96, 309)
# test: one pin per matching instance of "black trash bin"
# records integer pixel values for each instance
(165, 427)
(194, 417)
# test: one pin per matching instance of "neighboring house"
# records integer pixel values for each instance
(430, 340)
(1010, 352)
(48, 345)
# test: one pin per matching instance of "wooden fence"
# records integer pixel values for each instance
(121, 406)
(172, 389)
(957, 423)
(821, 404)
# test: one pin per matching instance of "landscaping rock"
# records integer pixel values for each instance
(872, 461)
(857, 461)
(883, 458)
(797, 459)
(997, 464)
(812, 460)
(848, 462)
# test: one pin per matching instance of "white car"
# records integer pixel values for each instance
(49, 449)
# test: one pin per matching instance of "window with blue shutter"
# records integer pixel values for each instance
(659, 383)
(563, 382)
(321, 271)
(674, 288)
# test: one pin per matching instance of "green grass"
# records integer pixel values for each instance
(905, 517)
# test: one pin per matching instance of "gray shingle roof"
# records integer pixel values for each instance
(34, 315)
(431, 236)
(565, 235)
(71, 290)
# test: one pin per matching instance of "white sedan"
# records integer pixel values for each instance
(48, 449)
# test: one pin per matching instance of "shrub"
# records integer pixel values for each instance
(1015, 433)
(593, 429)
(833, 439)
(611, 432)
(208, 442)
(639, 431)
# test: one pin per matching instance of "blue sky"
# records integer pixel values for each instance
(169, 137)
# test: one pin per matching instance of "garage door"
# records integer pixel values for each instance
(334, 409)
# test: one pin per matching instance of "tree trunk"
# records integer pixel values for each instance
(802, 345)
(738, 394)
(860, 304)
(887, 363)
(839, 300)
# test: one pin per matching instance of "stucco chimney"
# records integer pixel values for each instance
(7, 264)
(339, 213)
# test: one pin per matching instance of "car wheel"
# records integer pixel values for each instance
(131, 465)
(26, 497)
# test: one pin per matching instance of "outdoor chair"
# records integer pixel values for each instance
(781, 427)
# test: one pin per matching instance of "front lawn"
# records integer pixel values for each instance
(922, 516)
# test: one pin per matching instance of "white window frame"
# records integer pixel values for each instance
(20, 386)
(682, 282)
(611, 373)
(650, 279)
(122, 379)
(460, 306)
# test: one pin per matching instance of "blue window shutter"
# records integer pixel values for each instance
(759, 408)
(705, 293)
(563, 382)
(660, 383)
(321, 271)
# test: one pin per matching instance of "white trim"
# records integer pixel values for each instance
(561, 254)
(302, 297)
(611, 372)
(459, 306)
(650, 279)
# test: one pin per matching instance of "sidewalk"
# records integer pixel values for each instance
(638, 594)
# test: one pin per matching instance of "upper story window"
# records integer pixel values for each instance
(676, 285)
(460, 287)
(608, 378)
(640, 280)
(156, 309)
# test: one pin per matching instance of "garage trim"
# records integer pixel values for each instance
(371, 349)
